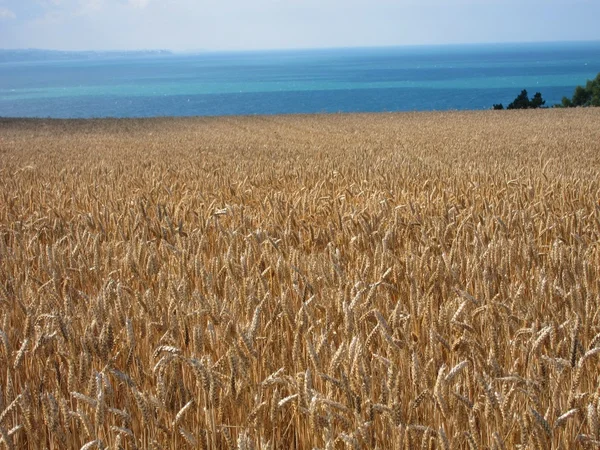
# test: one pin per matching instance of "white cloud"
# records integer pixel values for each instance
(139, 3)
(7, 14)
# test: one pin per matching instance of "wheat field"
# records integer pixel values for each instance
(386, 281)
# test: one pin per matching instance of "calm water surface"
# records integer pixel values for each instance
(276, 82)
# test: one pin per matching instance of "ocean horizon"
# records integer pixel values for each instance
(38, 83)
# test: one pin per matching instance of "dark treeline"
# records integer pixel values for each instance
(588, 95)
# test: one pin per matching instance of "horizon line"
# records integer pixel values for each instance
(282, 49)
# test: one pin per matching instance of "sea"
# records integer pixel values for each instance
(36, 83)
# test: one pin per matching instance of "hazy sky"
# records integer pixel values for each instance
(261, 24)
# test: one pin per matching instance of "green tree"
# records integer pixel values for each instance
(537, 101)
(584, 96)
(565, 103)
(521, 102)
(593, 86)
(581, 96)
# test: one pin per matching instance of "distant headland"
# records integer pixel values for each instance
(34, 54)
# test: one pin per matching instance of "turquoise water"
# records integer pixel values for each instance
(300, 81)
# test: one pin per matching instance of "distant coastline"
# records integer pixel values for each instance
(23, 55)
(41, 53)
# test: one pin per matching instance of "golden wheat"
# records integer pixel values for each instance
(391, 281)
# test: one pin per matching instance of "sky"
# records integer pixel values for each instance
(192, 25)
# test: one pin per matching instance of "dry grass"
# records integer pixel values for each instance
(379, 281)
